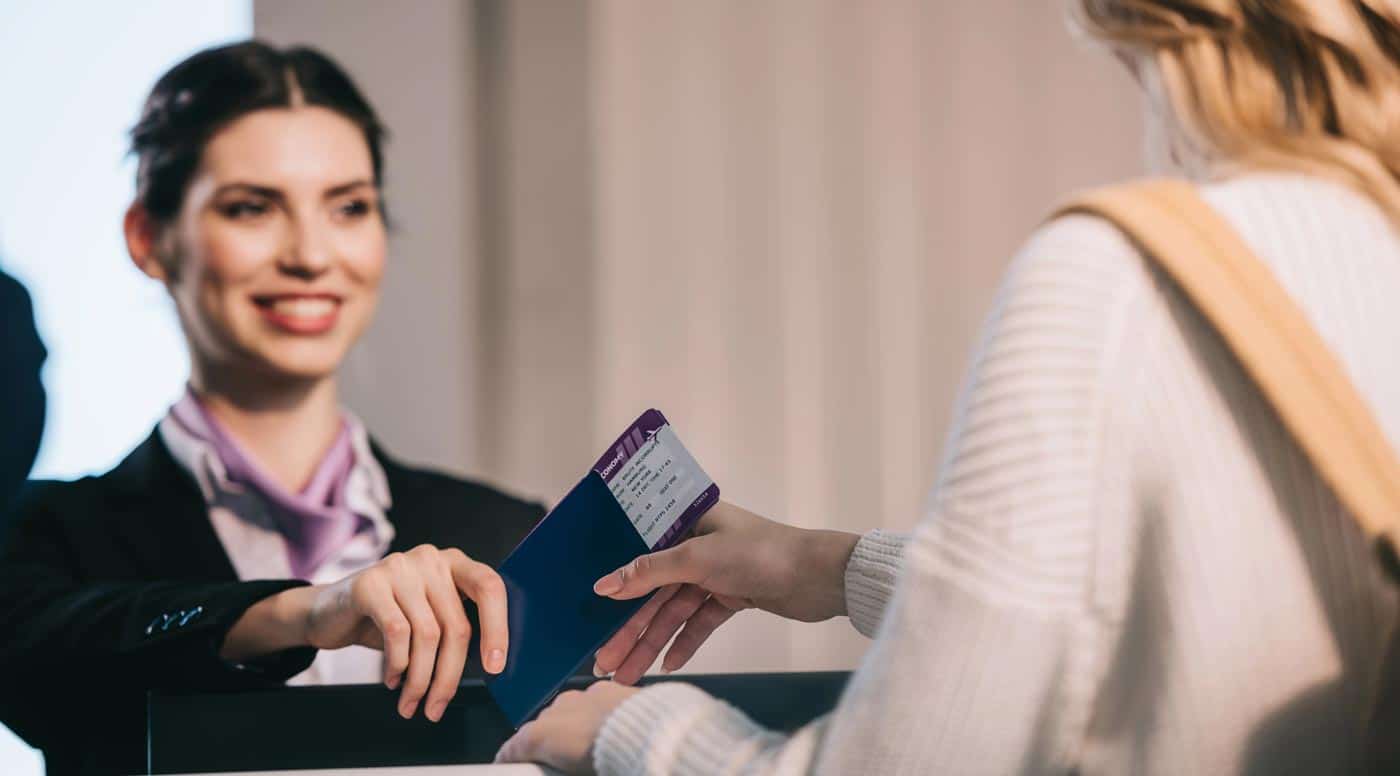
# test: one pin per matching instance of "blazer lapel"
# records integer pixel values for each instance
(163, 517)
(426, 511)
(432, 508)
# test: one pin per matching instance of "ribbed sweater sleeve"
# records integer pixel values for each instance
(870, 578)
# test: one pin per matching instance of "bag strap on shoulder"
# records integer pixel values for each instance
(1270, 336)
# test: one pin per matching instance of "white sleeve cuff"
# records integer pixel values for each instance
(676, 728)
(870, 578)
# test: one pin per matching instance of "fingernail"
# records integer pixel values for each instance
(435, 711)
(598, 671)
(392, 683)
(666, 670)
(498, 660)
(406, 710)
(607, 585)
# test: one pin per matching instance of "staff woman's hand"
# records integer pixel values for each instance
(736, 560)
(409, 605)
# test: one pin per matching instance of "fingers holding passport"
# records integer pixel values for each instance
(657, 633)
(698, 627)
(692, 611)
(410, 606)
(702, 583)
(736, 560)
(617, 649)
(484, 586)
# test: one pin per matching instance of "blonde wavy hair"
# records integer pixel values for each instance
(1311, 85)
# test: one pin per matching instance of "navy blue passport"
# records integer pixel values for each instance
(643, 495)
(557, 622)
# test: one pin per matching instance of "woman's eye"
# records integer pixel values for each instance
(356, 208)
(244, 209)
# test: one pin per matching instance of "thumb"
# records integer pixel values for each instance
(648, 572)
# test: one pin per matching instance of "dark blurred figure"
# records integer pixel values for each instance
(21, 392)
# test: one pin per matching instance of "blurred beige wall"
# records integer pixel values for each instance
(779, 222)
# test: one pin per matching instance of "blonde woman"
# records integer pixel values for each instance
(1127, 566)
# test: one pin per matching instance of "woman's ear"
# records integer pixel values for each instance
(143, 238)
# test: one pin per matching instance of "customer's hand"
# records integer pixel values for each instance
(562, 735)
(736, 560)
(409, 605)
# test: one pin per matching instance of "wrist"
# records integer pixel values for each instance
(274, 624)
(292, 615)
(824, 559)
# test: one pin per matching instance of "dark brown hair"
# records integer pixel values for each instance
(212, 88)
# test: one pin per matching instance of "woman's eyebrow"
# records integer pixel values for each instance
(250, 188)
(347, 187)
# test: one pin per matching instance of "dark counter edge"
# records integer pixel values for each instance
(349, 726)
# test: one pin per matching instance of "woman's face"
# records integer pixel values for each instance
(275, 258)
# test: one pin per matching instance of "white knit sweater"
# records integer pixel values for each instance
(1127, 566)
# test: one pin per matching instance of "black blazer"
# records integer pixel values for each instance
(21, 393)
(116, 585)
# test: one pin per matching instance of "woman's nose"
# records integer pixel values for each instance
(308, 252)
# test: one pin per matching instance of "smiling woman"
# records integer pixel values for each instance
(258, 523)
(276, 257)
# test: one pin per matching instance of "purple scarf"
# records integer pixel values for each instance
(315, 522)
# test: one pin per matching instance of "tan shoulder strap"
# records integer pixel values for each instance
(1306, 385)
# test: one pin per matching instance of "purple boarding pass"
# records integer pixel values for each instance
(656, 481)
